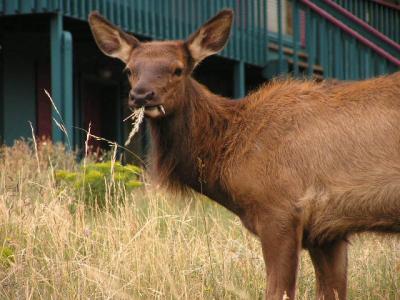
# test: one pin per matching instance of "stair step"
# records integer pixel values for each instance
(303, 58)
(288, 51)
(304, 65)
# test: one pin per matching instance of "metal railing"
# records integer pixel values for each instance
(383, 16)
(339, 50)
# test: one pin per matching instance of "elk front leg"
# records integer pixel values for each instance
(281, 245)
(330, 263)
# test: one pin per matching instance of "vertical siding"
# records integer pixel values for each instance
(256, 25)
(170, 19)
(385, 18)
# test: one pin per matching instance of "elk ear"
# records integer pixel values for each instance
(111, 40)
(211, 37)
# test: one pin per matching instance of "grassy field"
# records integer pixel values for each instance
(153, 246)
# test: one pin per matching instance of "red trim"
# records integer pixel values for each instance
(387, 4)
(350, 31)
(363, 24)
(43, 106)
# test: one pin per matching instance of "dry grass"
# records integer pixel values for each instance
(137, 119)
(153, 247)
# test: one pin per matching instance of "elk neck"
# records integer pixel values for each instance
(189, 145)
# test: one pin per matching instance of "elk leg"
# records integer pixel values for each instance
(281, 247)
(330, 264)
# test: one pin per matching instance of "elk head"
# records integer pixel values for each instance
(157, 71)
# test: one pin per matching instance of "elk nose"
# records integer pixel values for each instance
(140, 96)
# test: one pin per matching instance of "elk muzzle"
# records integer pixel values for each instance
(139, 97)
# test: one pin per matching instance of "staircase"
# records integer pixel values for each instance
(384, 16)
(343, 39)
(339, 39)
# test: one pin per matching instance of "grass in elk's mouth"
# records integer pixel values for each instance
(149, 246)
(137, 119)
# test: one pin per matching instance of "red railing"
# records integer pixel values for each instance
(352, 32)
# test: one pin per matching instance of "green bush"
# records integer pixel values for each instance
(96, 182)
(6, 256)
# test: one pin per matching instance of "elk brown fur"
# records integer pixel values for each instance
(303, 164)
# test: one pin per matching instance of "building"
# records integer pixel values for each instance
(47, 45)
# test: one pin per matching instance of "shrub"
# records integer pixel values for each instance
(6, 256)
(96, 182)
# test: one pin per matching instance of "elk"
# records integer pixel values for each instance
(302, 164)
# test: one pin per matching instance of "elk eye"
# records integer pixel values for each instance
(178, 71)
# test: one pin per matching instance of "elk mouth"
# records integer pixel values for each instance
(154, 110)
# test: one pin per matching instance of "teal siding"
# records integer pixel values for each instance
(374, 13)
(168, 19)
(341, 47)
(251, 34)
(388, 45)
(61, 81)
(19, 103)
